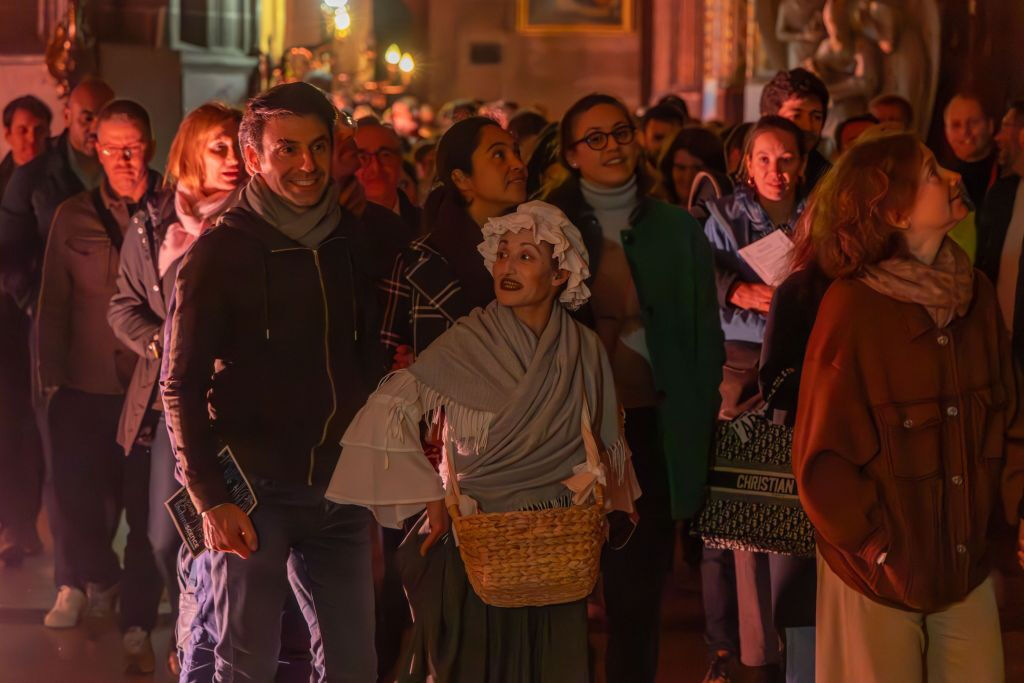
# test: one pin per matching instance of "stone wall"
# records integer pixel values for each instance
(549, 70)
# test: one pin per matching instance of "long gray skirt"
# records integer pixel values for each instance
(458, 639)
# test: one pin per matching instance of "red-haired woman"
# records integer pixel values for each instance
(907, 430)
(204, 177)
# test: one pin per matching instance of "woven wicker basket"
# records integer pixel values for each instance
(532, 558)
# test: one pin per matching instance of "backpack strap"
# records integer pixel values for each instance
(107, 219)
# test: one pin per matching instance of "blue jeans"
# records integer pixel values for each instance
(163, 535)
(331, 544)
(300, 654)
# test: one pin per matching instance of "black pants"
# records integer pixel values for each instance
(21, 456)
(635, 574)
(88, 469)
(391, 605)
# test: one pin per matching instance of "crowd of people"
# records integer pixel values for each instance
(396, 324)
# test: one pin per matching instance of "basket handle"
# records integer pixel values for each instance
(451, 498)
(590, 446)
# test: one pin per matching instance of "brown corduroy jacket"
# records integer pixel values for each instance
(908, 443)
(77, 348)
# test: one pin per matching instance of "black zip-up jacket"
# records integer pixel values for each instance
(273, 350)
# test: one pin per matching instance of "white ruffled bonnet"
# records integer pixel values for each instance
(550, 225)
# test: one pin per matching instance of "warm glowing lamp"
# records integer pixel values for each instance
(335, 4)
(393, 55)
(342, 20)
(406, 64)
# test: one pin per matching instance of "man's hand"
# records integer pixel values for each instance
(752, 296)
(403, 357)
(229, 530)
(438, 517)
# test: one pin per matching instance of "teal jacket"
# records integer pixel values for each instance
(672, 267)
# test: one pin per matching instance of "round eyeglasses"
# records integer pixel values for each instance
(598, 139)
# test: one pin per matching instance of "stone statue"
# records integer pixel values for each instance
(879, 46)
(799, 26)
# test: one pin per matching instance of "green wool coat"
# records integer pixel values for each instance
(672, 267)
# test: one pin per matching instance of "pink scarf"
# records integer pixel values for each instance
(196, 215)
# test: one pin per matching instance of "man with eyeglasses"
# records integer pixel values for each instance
(380, 166)
(84, 371)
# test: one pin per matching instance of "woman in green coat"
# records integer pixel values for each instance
(655, 310)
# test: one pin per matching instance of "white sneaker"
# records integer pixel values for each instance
(67, 609)
(139, 657)
(101, 600)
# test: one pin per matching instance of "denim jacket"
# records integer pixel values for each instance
(736, 221)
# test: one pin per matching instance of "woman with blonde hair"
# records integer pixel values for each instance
(204, 177)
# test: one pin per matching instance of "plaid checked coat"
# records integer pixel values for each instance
(436, 279)
(424, 297)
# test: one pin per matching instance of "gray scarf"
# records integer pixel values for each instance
(310, 227)
(512, 404)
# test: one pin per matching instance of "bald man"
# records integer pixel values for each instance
(380, 166)
(969, 131)
(36, 188)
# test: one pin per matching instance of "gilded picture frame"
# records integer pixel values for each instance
(548, 17)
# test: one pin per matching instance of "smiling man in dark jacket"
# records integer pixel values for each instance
(271, 354)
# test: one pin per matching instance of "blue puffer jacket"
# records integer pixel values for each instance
(735, 221)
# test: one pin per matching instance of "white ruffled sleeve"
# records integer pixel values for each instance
(382, 465)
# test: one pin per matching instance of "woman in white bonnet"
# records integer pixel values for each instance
(510, 381)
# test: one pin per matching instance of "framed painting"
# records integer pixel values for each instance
(574, 16)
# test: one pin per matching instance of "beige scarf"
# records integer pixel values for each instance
(308, 227)
(196, 215)
(945, 288)
(512, 404)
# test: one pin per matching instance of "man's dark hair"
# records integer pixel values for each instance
(287, 99)
(677, 102)
(861, 118)
(793, 83)
(525, 123)
(667, 113)
(128, 110)
(30, 103)
(901, 103)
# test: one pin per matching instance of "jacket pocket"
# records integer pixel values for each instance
(988, 422)
(914, 438)
(93, 268)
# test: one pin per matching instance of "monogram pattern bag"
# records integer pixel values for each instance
(752, 499)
